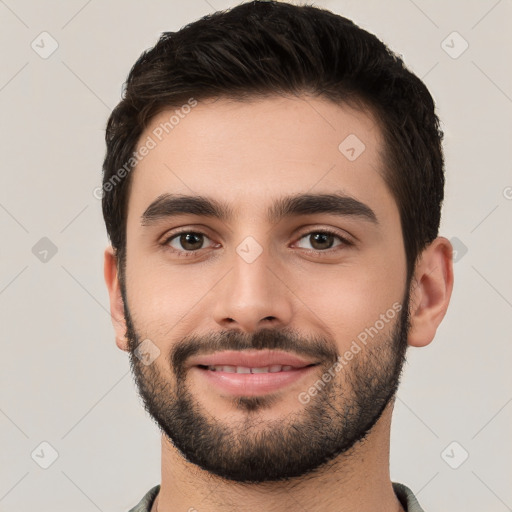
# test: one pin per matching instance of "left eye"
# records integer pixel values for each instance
(323, 240)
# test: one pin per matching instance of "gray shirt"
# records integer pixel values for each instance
(403, 493)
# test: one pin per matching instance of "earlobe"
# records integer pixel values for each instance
(110, 271)
(431, 290)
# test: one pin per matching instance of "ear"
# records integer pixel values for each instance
(110, 271)
(431, 289)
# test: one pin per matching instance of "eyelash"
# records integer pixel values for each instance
(317, 252)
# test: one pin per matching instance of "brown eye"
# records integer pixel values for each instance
(323, 240)
(188, 241)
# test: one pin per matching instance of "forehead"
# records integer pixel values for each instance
(250, 152)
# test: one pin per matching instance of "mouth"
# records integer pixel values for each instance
(262, 361)
(251, 373)
(275, 368)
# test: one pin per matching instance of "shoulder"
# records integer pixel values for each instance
(146, 502)
(407, 498)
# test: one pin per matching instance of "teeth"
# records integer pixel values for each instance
(260, 370)
(244, 369)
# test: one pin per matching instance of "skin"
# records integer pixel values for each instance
(248, 155)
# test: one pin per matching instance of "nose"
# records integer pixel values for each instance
(253, 295)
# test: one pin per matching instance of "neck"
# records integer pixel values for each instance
(356, 480)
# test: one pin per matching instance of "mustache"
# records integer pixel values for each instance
(283, 339)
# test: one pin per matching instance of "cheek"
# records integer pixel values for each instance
(351, 297)
(351, 302)
(164, 300)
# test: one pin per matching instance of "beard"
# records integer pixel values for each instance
(253, 450)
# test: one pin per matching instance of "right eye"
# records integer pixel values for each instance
(185, 243)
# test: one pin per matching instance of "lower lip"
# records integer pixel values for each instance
(253, 384)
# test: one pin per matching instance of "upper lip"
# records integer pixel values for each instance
(251, 359)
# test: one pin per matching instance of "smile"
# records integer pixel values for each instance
(244, 369)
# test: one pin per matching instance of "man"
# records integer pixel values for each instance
(272, 192)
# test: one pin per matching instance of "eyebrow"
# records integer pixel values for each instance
(171, 205)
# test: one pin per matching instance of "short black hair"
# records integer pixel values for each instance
(260, 49)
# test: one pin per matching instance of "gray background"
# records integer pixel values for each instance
(63, 380)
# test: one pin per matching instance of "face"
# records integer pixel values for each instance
(274, 310)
